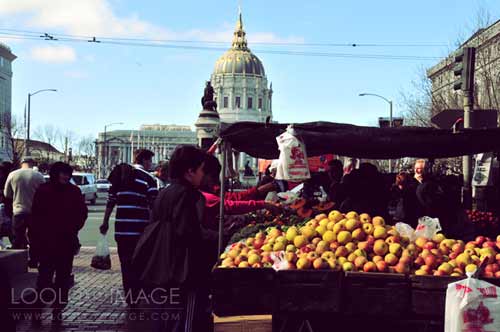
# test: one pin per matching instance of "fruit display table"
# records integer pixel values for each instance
(307, 300)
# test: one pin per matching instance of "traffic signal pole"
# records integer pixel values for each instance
(465, 62)
(467, 160)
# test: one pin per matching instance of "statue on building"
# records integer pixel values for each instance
(207, 101)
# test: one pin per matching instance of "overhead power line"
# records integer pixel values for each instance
(304, 44)
(174, 44)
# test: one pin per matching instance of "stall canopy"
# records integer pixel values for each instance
(259, 140)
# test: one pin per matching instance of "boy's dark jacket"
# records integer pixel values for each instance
(171, 249)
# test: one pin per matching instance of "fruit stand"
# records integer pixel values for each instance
(349, 271)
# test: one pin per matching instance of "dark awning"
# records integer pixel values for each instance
(259, 140)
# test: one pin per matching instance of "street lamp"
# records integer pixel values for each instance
(390, 115)
(27, 152)
(105, 147)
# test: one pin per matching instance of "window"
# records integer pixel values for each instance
(260, 103)
(249, 103)
(226, 102)
(1, 61)
(238, 102)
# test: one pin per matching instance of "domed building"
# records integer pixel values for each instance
(240, 83)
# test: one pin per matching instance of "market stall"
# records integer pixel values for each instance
(346, 289)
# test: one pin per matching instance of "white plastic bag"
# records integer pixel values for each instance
(293, 165)
(405, 230)
(427, 227)
(101, 259)
(272, 197)
(472, 305)
(280, 262)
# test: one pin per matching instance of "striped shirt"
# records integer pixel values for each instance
(133, 202)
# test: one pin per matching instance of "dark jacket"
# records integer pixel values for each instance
(58, 213)
(170, 251)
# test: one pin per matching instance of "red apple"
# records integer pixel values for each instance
(419, 261)
(497, 274)
(430, 260)
(381, 266)
(489, 244)
(479, 240)
(429, 245)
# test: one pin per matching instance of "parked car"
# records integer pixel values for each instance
(103, 185)
(87, 184)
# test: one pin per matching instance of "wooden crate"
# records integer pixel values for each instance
(262, 323)
(308, 291)
(376, 294)
(428, 294)
(243, 291)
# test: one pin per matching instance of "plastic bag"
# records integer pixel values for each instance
(101, 259)
(405, 230)
(293, 165)
(280, 262)
(272, 197)
(472, 305)
(427, 227)
(289, 197)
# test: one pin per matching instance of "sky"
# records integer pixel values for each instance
(102, 83)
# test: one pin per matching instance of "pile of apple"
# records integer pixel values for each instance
(353, 242)
(481, 216)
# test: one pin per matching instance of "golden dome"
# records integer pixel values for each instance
(239, 59)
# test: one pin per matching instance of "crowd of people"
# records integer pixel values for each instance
(166, 225)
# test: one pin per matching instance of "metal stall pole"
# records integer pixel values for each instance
(222, 148)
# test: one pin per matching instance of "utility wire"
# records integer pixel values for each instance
(324, 44)
(114, 41)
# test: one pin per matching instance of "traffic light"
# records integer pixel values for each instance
(465, 61)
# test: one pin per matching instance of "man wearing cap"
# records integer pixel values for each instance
(20, 186)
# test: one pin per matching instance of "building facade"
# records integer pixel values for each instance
(487, 74)
(241, 87)
(119, 145)
(6, 59)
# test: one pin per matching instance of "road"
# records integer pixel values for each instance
(89, 234)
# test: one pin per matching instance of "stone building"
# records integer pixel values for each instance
(120, 144)
(6, 58)
(241, 87)
(487, 74)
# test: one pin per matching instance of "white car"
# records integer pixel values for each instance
(87, 185)
(103, 185)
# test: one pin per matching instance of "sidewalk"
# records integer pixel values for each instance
(95, 304)
(95, 301)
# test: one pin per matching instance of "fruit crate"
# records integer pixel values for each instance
(243, 291)
(428, 294)
(376, 293)
(304, 291)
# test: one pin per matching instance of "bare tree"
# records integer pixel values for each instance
(422, 102)
(15, 133)
(85, 154)
(49, 134)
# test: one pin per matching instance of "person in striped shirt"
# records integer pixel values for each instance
(133, 190)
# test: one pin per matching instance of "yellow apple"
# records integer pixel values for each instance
(291, 233)
(368, 228)
(352, 224)
(364, 218)
(299, 241)
(303, 264)
(343, 237)
(329, 236)
(378, 221)
(379, 232)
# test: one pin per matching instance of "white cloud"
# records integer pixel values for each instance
(97, 18)
(54, 54)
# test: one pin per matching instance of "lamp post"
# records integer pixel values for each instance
(105, 148)
(26, 145)
(390, 115)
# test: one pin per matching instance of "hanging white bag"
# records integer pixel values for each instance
(472, 305)
(293, 165)
(101, 259)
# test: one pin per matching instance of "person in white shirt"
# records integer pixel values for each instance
(20, 186)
